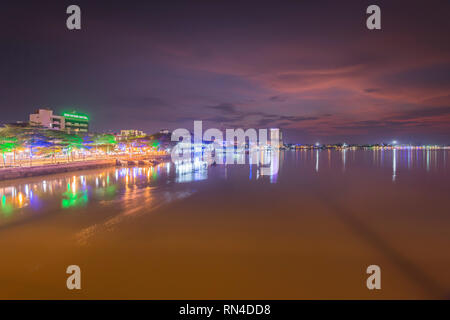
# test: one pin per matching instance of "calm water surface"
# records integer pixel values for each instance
(309, 231)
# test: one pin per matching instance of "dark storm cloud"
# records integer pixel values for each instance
(407, 118)
(370, 90)
(436, 76)
(277, 99)
(224, 107)
(139, 102)
(297, 118)
(233, 115)
(402, 126)
(283, 121)
(423, 113)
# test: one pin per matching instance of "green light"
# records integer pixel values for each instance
(107, 192)
(74, 200)
(7, 147)
(104, 139)
(76, 116)
(111, 190)
(7, 209)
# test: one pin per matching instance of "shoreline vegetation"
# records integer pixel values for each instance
(33, 146)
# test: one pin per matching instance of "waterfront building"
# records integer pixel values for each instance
(71, 122)
(132, 133)
(45, 118)
(76, 122)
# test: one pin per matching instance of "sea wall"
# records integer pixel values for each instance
(24, 172)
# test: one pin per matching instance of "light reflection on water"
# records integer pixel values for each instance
(77, 190)
(324, 215)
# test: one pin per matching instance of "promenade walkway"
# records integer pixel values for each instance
(42, 168)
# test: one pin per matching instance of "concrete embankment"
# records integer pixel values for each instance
(24, 172)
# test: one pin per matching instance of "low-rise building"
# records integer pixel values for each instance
(45, 118)
(76, 122)
(132, 133)
(71, 122)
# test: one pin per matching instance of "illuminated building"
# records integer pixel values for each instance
(76, 122)
(72, 122)
(135, 133)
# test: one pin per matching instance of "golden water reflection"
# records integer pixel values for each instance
(307, 230)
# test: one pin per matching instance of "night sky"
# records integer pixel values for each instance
(311, 68)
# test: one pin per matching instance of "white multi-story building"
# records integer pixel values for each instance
(136, 133)
(46, 119)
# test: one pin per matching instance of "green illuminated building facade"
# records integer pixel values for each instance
(75, 122)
